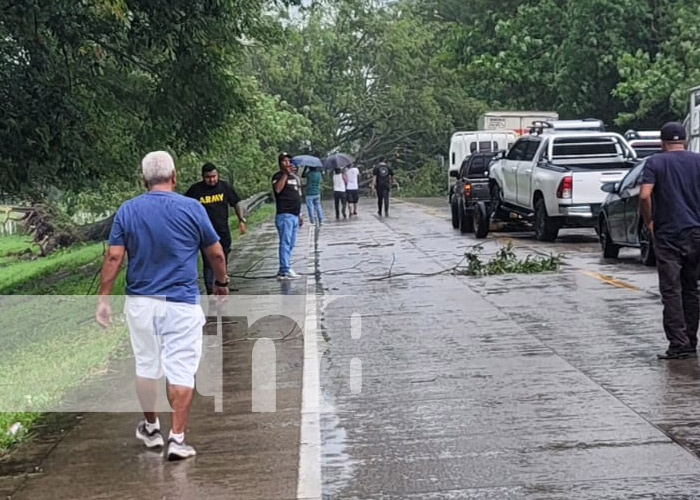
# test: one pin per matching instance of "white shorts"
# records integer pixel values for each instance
(166, 338)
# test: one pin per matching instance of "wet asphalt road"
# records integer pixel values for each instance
(433, 386)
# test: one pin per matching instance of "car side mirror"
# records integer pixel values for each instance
(610, 187)
(500, 155)
(454, 173)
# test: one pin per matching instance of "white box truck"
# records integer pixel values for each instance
(514, 121)
(692, 122)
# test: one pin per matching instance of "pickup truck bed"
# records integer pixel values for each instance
(555, 179)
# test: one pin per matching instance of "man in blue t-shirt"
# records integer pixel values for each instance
(670, 205)
(162, 232)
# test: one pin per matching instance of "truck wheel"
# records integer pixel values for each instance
(546, 228)
(481, 221)
(646, 246)
(497, 202)
(610, 249)
(455, 214)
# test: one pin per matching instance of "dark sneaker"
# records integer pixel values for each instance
(152, 439)
(678, 355)
(179, 451)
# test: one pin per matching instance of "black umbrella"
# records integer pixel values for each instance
(338, 160)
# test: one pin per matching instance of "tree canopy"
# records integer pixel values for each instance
(89, 87)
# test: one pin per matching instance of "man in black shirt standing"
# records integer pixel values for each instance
(216, 196)
(287, 189)
(383, 179)
(671, 180)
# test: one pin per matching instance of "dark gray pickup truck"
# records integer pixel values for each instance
(471, 187)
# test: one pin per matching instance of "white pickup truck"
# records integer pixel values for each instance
(553, 178)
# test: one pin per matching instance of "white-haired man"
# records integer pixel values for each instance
(162, 232)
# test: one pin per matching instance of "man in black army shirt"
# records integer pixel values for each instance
(216, 196)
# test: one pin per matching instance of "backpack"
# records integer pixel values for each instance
(383, 172)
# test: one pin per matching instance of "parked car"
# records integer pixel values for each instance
(620, 224)
(471, 187)
(553, 176)
(644, 142)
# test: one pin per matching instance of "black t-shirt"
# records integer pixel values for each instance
(676, 196)
(216, 200)
(289, 199)
(383, 174)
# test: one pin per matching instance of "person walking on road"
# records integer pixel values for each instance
(670, 205)
(352, 175)
(217, 196)
(314, 177)
(340, 192)
(162, 233)
(383, 179)
(287, 189)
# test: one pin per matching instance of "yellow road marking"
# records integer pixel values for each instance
(610, 280)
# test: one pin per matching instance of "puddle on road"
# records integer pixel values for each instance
(335, 455)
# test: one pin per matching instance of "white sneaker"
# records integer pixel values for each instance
(152, 439)
(291, 275)
(179, 451)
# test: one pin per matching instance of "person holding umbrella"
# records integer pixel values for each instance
(313, 175)
(339, 193)
(287, 190)
(341, 161)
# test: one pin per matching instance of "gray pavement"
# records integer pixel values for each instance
(538, 387)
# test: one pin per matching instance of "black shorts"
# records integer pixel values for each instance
(353, 195)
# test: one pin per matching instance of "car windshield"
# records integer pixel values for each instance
(480, 166)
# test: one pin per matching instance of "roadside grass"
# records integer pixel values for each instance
(51, 344)
(262, 214)
(13, 244)
(24, 276)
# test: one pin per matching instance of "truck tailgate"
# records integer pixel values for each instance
(586, 185)
(480, 190)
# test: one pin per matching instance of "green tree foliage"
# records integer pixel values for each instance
(368, 77)
(88, 87)
(654, 80)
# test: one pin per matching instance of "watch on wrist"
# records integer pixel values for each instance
(222, 284)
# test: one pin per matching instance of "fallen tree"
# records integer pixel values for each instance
(50, 229)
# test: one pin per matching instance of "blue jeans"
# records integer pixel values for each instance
(287, 228)
(313, 202)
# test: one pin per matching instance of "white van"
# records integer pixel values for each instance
(464, 144)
